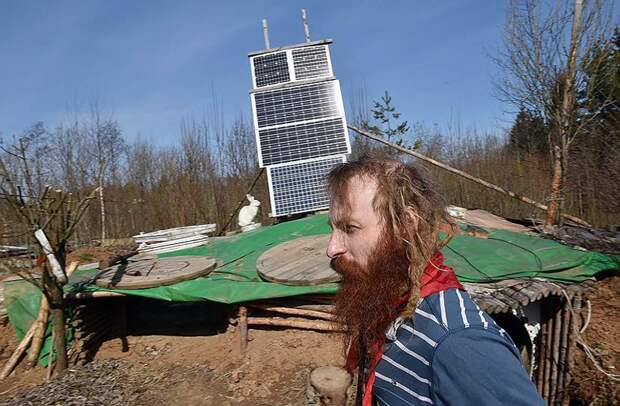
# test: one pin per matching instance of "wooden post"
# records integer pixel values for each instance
(465, 175)
(331, 383)
(39, 334)
(243, 328)
(563, 347)
(17, 354)
(555, 359)
(570, 349)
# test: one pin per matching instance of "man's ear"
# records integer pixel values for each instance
(412, 218)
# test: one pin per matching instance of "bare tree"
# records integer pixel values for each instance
(47, 213)
(542, 64)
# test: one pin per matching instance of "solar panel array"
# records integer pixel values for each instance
(299, 124)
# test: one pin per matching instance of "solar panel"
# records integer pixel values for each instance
(311, 62)
(300, 186)
(297, 103)
(270, 69)
(302, 141)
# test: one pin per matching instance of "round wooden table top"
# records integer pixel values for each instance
(151, 273)
(302, 261)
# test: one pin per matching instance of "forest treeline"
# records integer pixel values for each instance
(202, 177)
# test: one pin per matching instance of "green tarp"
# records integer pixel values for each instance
(503, 255)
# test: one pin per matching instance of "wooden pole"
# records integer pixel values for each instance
(243, 328)
(93, 295)
(555, 359)
(465, 175)
(570, 349)
(293, 311)
(302, 324)
(548, 358)
(242, 200)
(563, 346)
(39, 334)
(17, 354)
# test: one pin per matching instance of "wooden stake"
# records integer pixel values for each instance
(17, 354)
(465, 175)
(302, 324)
(243, 328)
(39, 333)
(555, 359)
(243, 199)
(293, 311)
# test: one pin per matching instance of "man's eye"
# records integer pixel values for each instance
(349, 228)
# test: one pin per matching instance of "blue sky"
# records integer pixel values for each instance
(150, 63)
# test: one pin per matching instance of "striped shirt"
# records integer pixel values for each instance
(451, 353)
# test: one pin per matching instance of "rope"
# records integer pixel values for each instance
(590, 353)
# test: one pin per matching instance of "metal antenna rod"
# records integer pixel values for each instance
(266, 34)
(304, 18)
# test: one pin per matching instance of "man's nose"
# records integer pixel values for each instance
(335, 246)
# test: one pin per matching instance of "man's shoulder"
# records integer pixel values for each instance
(452, 310)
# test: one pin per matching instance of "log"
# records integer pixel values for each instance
(302, 324)
(563, 346)
(465, 175)
(39, 333)
(92, 295)
(243, 328)
(293, 311)
(50, 359)
(17, 354)
(331, 383)
(557, 329)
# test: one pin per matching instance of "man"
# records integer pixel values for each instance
(418, 335)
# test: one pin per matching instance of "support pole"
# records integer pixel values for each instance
(304, 18)
(266, 34)
(243, 328)
(465, 175)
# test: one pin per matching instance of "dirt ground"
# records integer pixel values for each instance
(199, 370)
(591, 387)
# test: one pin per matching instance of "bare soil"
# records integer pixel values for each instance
(199, 370)
(590, 386)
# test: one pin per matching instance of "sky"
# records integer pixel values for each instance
(148, 64)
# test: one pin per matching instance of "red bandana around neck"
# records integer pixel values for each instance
(437, 277)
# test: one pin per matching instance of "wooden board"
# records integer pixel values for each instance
(155, 272)
(299, 262)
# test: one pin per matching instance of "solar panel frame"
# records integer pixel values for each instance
(337, 112)
(292, 74)
(304, 193)
(273, 74)
(298, 64)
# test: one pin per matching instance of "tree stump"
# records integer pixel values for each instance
(328, 385)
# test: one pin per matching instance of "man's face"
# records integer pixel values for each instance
(355, 236)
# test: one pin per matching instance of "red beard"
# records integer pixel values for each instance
(366, 304)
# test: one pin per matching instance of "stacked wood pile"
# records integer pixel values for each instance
(95, 321)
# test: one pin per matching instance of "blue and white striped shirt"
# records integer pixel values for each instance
(451, 353)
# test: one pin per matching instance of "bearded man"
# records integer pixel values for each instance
(418, 336)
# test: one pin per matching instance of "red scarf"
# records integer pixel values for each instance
(436, 278)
